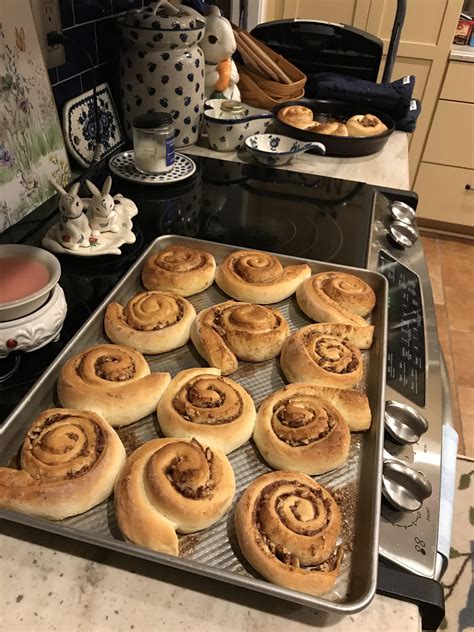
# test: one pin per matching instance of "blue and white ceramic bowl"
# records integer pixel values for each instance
(276, 150)
(227, 132)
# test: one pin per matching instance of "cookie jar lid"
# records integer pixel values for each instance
(164, 16)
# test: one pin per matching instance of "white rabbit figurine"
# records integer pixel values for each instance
(126, 204)
(73, 231)
(101, 211)
(218, 46)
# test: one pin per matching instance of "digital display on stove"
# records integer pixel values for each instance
(406, 367)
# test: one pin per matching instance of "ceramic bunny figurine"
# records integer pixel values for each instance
(101, 211)
(218, 46)
(126, 204)
(73, 231)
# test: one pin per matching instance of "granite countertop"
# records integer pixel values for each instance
(388, 167)
(462, 53)
(50, 583)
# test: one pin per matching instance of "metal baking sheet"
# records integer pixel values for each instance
(214, 552)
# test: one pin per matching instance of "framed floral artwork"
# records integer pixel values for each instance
(31, 141)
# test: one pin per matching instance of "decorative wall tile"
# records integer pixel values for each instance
(88, 10)
(66, 90)
(78, 37)
(67, 13)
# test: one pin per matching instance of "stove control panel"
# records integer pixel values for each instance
(413, 413)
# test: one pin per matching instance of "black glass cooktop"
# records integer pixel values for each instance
(246, 205)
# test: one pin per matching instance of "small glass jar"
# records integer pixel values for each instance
(153, 142)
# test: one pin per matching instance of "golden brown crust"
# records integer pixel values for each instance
(365, 125)
(287, 527)
(258, 277)
(298, 428)
(296, 115)
(69, 462)
(338, 297)
(170, 485)
(113, 381)
(230, 331)
(150, 322)
(179, 269)
(333, 128)
(215, 410)
(325, 354)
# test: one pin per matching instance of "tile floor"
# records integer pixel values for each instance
(451, 268)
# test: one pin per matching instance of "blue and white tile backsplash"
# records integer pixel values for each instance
(88, 24)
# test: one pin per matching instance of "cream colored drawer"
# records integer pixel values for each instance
(443, 195)
(459, 82)
(451, 138)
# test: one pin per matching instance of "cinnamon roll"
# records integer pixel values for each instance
(171, 485)
(296, 115)
(69, 462)
(113, 381)
(179, 269)
(299, 429)
(331, 128)
(365, 125)
(337, 297)
(201, 403)
(151, 322)
(287, 527)
(259, 277)
(325, 354)
(232, 330)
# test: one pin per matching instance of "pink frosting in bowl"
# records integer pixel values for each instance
(27, 275)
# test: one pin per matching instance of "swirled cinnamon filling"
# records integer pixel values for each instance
(208, 400)
(181, 260)
(367, 121)
(303, 422)
(335, 355)
(148, 312)
(256, 268)
(182, 479)
(280, 551)
(114, 368)
(59, 441)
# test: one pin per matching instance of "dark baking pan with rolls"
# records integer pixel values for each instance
(328, 111)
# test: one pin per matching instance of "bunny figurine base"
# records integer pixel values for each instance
(108, 222)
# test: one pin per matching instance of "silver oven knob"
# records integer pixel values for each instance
(404, 487)
(401, 212)
(403, 235)
(404, 423)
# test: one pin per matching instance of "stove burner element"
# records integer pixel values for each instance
(404, 423)
(9, 366)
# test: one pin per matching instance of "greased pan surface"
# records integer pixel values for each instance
(336, 145)
(215, 552)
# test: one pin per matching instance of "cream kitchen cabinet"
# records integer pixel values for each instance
(445, 179)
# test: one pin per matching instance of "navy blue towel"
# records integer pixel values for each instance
(395, 99)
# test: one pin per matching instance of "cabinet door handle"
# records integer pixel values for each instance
(469, 187)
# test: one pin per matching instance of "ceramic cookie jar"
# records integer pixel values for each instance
(162, 67)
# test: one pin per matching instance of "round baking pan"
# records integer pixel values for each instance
(329, 109)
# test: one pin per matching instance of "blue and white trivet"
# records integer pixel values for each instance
(123, 165)
(79, 125)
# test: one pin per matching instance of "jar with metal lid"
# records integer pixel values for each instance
(232, 109)
(153, 142)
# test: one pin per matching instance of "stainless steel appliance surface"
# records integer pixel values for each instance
(214, 552)
(317, 218)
